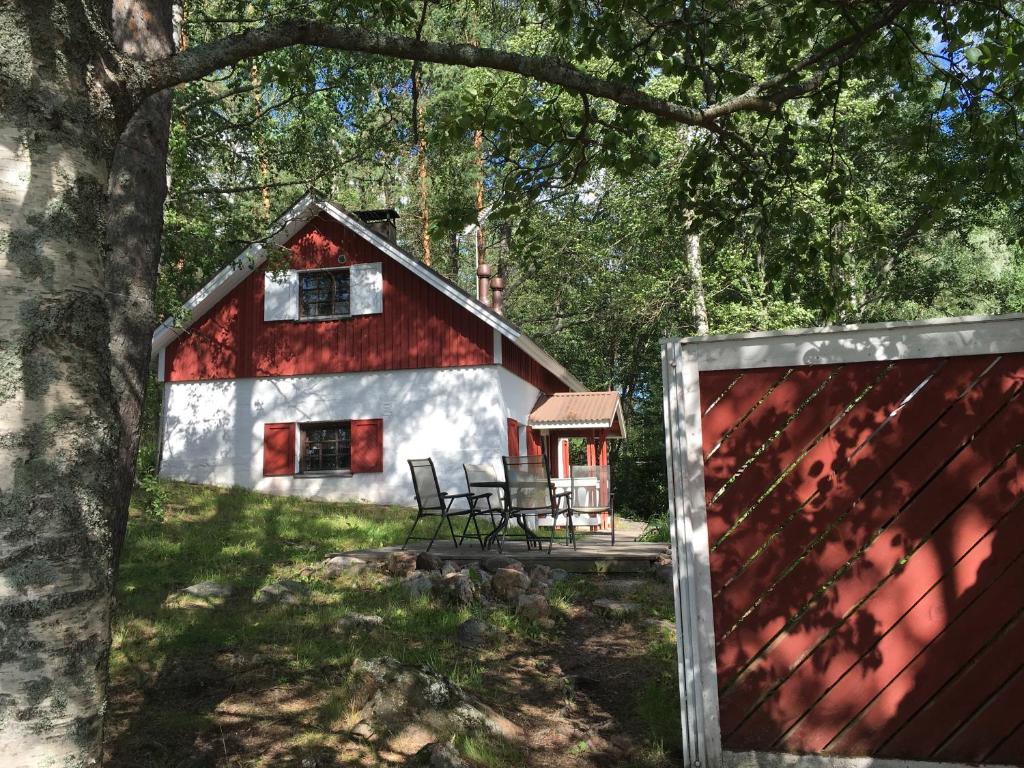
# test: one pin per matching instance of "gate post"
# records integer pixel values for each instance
(695, 629)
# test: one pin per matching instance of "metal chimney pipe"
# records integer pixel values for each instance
(497, 289)
(483, 274)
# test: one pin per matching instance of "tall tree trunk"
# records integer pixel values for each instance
(695, 266)
(423, 177)
(80, 216)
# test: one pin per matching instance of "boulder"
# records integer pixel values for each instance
(401, 563)
(616, 608)
(284, 592)
(337, 565)
(205, 594)
(419, 583)
(476, 632)
(413, 706)
(625, 586)
(558, 574)
(509, 583)
(437, 755)
(533, 607)
(359, 622)
(428, 561)
(454, 588)
(495, 562)
(449, 567)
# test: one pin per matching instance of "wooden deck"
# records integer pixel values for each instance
(592, 555)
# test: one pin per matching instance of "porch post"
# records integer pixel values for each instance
(695, 630)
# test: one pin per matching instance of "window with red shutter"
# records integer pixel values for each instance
(367, 445)
(533, 446)
(278, 449)
(513, 437)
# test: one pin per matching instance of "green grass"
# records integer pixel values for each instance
(174, 669)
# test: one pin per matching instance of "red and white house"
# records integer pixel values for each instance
(322, 376)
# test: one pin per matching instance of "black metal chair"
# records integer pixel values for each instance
(592, 496)
(431, 501)
(532, 497)
(482, 479)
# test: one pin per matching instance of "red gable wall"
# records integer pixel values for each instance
(529, 370)
(419, 327)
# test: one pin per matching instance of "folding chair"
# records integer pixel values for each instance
(431, 501)
(531, 495)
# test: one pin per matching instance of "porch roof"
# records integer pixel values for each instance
(579, 412)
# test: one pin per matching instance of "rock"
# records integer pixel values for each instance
(437, 755)
(533, 607)
(205, 594)
(540, 573)
(664, 573)
(285, 592)
(476, 632)
(363, 730)
(616, 608)
(493, 563)
(509, 583)
(625, 586)
(401, 563)
(389, 696)
(546, 623)
(454, 588)
(337, 565)
(417, 584)
(209, 589)
(427, 561)
(558, 574)
(449, 567)
(359, 622)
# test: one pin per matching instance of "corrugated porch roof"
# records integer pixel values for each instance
(579, 411)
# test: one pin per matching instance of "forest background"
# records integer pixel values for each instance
(879, 198)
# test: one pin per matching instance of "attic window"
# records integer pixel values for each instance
(324, 293)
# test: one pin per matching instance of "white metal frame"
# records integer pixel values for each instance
(682, 362)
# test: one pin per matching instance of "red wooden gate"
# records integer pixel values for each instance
(856, 553)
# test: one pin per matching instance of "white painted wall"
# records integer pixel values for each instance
(213, 430)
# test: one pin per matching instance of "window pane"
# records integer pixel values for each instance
(327, 447)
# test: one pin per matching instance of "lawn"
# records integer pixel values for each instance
(248, 685)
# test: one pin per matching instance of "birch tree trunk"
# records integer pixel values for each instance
(696, 269)
(81, 193)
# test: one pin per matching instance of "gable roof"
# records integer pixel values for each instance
(308, 207)
(578, 410)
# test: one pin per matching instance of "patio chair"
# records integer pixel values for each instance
(532, 497)
(592, 496)
(483, 480)
(431, 501)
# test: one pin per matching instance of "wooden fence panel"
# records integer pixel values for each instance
(866, 532)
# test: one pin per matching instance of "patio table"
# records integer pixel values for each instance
(492, 537)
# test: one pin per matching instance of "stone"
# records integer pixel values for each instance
(476, 632)
(205, 594)
(437, 755)
(493, 563)
(664, 573)
(625, 586)
(417, 584)
(428, 561)
(449, 567)
(533, 607)
(546, 623)
(284, 592)
(363, 730)
(401, 563)
(616, 608)
(454, 588)
(540, 573)
(389, 696)
(209, 589)
(558, 574)
(509, 583)
(339, 564)
(359, 621)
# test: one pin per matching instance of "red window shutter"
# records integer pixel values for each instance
(513, 437)
(533, 446)
(278, 449)
(368, 445)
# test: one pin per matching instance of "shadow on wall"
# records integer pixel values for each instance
(213, 431)
(867, 532)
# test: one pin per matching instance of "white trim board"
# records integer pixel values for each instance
(787, 760)
(874, 342)
(309, 206)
